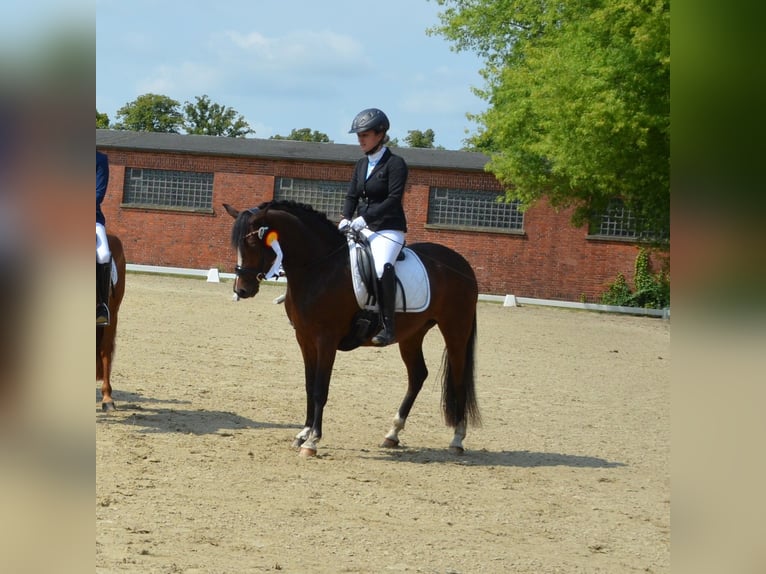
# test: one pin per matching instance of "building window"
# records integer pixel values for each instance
(166, 189)
(323, 195)
(473, 209)
(620, 222)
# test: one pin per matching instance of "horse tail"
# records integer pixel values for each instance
(459, 397)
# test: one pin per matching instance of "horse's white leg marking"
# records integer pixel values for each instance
(457, 440)
(392, 438)
(309, 446)
(301, 437)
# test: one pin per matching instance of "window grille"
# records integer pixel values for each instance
(168, 189)
(619, 221)
(323, 195)
(473, 209)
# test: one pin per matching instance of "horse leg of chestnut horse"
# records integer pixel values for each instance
(105, 356)
(411, 351)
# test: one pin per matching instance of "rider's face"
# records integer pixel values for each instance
(368, 140)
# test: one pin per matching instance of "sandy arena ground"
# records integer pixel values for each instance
(570, 472)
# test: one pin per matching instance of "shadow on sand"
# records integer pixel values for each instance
(518, 458)
(139, 411)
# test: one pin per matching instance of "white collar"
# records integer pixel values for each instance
(374, 158)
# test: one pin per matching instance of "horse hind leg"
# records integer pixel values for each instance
(107, 402)
(458, 387)
(411, 352)
(104, 350)
(456, 445)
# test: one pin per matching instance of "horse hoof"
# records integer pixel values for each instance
(106, 407)
(456, 449)
(307, 452)
(389, 443)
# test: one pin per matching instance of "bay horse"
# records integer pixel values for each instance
(105, 335)
(323, 309)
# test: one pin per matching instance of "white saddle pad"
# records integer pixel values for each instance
(410, 271)
(115, 275)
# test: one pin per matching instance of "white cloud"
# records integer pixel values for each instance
(306, 52)
(186, 78)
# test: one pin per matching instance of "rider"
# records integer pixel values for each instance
(103, 254)
(377, 188)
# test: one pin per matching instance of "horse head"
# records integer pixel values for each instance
(256, 253)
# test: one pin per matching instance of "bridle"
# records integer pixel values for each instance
(260, 274)
(267, 237)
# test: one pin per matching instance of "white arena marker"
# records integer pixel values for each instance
(510, 301)
(212, 276)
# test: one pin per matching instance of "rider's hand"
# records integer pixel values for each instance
(358, 224)
(344, 224)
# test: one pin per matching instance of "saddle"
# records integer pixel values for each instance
(413, 291)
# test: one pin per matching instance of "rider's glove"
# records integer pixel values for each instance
(358, 224)
(343, 225)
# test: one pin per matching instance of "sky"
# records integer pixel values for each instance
(291, 64)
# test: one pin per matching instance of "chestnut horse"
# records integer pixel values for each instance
(324, 311)
(105, 335)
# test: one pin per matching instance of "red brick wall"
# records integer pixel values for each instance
(551, 260)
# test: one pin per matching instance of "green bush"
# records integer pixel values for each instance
(652, 290)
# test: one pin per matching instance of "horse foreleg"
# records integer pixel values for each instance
(391, 440)
(318, 383)
(309, 361)
(301, 437)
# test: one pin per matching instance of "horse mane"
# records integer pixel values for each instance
(300, 210)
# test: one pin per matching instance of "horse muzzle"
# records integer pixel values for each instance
(247, 281)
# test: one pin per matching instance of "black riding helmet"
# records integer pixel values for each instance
(370, 119)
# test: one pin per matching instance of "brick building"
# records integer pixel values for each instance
(166, 193)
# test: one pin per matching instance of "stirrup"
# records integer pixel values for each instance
(383, 338)
(102, 315)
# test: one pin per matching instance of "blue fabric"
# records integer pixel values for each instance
(102, 181)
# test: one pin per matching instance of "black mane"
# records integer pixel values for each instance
(300, 210)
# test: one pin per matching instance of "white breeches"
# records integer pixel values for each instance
(385, 246)
(103, 255)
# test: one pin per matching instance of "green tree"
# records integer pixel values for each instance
(416, 138)
(150, 113)
(102, 121)
(304, 135)
(208, 118)
(579, 100)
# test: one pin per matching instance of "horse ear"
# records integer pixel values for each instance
(230, 210)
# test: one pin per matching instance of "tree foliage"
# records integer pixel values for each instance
(304, 135)
(417, 138)
(579, 99)
(209, 118)
(102, 121)
(151, 113)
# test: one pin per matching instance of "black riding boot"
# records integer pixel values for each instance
(103, 281)
(386, 300)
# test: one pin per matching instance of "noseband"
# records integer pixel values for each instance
(260, 274)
